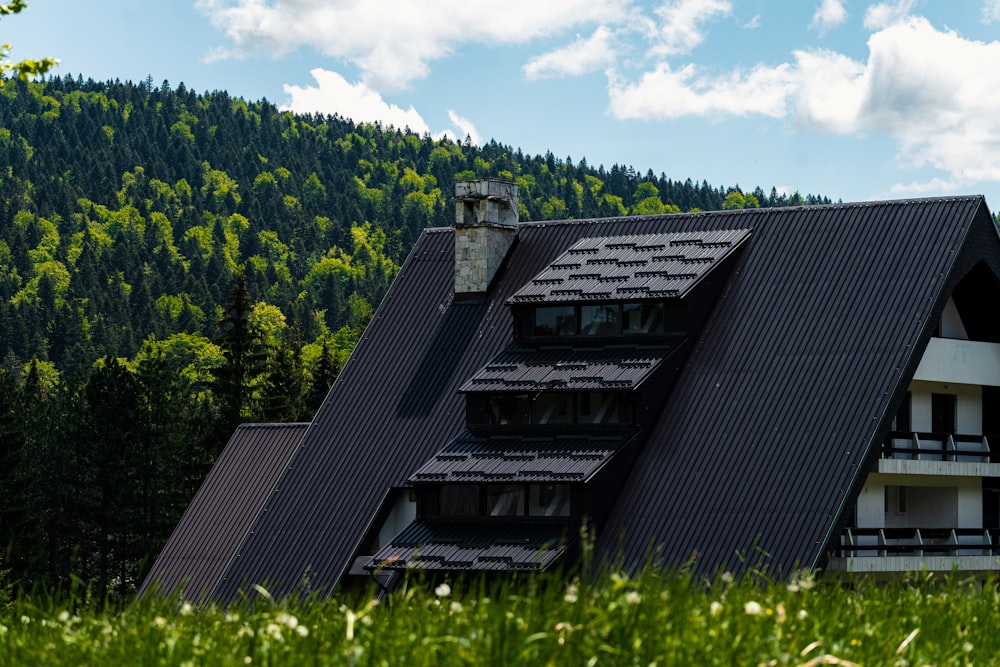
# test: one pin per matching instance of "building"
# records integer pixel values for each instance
(810, 387)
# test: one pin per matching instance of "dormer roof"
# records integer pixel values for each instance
(631, 267)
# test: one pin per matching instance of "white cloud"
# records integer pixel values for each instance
(580, 57)
(937, 94)
(393, 43)
(885, 14)
(465, 129)
(665, 93)
(333, 94)
(991, 11)
(680, 29)
(828, 15)
(753, 23)
(932, 91)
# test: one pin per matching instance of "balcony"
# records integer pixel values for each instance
(923, 453)
(891, 550)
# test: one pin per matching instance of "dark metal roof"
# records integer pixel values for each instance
(484, 545)
(503, 458)
(771, 428)
(631, 267)
(520, 369)
(764, 435)
(220, 514)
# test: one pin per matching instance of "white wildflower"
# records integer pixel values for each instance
(752, 608)
(287, 619)
(442, 590)
(715, 608)
(802, 614)
(186, 609)
(274, 630)
(456, 607)
(633, 597)
(302, 631)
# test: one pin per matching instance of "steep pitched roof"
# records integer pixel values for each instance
(764, 435)
(790, 388)
(218, 517)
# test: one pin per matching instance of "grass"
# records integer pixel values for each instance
(652, 618)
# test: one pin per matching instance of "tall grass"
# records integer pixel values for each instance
(662, 618)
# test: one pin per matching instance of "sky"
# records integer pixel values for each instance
(850, 99)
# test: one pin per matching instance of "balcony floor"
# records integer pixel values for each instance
(901, 564)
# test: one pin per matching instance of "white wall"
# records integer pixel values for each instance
(403, 513)
(968, 409)
(939, 502)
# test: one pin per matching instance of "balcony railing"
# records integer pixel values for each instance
(921, 542)
(924, 446)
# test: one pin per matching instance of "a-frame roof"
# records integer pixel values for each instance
(794, 381)
(764, 436)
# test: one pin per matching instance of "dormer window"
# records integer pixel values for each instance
(504, 500)
(552, 407)
(555, 321)
(604, 319)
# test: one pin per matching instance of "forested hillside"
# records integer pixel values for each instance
(174, 263)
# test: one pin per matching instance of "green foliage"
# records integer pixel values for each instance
(662, 618)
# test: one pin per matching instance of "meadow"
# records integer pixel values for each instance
(652, 618)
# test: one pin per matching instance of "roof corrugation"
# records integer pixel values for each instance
(762, 437)
(470, 458)
(767, 429)
(529, 369)
(484, 545)
(220, 514)
(630, 267)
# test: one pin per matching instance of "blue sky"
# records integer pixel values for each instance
(850, 99)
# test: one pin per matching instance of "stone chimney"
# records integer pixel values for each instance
(486, 212)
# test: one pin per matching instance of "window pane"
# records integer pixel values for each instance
(642, 318)
(505, 499)
(509, 409)
(598, 407)
(459, 500)
(553, 408)
(599, 320)
(549, 500)
(555, 321)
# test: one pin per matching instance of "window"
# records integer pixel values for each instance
(604, 319)
(902, 421)
(459, 500)
(599, 320)
(555, 321)
(552, 408)
(597, 407)
(895, 499)
(548, 500)
(943, 413)
(505, 499)
(513, 409)
(639, 318)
